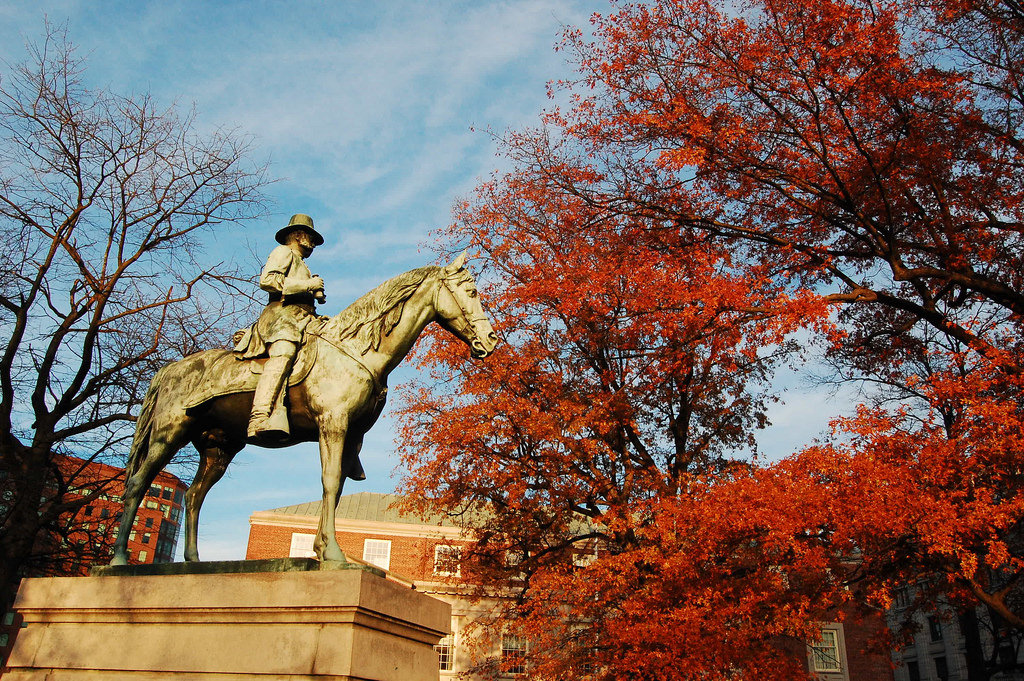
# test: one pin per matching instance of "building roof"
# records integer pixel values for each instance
(371, 506)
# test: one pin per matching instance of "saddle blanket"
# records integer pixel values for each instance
(223, 374)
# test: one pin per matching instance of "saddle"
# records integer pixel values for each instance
(226, 375)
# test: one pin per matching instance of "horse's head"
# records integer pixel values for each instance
(459, 310)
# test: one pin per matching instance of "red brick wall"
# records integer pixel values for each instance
(867, 662)
(101, 517)
(411, 557)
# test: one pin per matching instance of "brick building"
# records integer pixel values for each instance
(91, 532)
(423, 553)
(426, 554)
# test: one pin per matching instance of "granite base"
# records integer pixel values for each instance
(289, 621)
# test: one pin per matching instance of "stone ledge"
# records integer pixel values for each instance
(225, 567)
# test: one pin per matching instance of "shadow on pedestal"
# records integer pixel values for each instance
(224, 567)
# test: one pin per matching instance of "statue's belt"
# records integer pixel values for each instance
(305, 299)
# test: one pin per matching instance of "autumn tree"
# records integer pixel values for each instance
(633, 368)
(721, 174)
(104, 200)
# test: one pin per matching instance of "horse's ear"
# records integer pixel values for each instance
(457, 264)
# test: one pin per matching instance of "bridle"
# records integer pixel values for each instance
(467, 318)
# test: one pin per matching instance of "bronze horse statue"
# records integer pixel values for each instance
(336, 392)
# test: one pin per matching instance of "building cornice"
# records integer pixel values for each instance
(302, 522)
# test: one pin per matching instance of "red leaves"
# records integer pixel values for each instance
(718, 180)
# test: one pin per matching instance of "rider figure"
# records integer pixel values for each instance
(293, 290)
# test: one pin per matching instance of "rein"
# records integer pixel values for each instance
(373, 378)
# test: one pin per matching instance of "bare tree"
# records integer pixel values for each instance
(104, 277)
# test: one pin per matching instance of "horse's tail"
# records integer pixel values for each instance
(143, 426)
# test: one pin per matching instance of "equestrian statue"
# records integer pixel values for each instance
(295, 377)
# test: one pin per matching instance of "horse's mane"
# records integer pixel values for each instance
(374, 315)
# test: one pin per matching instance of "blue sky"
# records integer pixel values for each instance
(374, 115)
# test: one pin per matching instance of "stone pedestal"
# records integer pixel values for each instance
(299, 623)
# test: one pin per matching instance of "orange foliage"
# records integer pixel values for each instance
(719, 180)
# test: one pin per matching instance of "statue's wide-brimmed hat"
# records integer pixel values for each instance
(299, 221)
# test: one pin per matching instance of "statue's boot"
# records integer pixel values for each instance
(269, 418)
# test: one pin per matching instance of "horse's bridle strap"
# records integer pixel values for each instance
(465, 313)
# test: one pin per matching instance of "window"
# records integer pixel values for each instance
(513, 654)
(88, 510)
(149, 522)
(377, 552)
(515, 558)
(145, 538)
(901, 598)
(447, 559)
(151, 504)
(143, 555)
(1007, 652)
(941, 669)
(8, 620)
(104, 512)
(168, 493)
(825, 653)
(826, 657)
(4, 639)
(164, 551)
(154, 491)
(131, 536)
(446, 653)
(913, 670)
(934, 628)
(302, 546)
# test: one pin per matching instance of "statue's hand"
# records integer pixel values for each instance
(316, 283)
(320, 296)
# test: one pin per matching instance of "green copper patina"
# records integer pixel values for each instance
(336, 392)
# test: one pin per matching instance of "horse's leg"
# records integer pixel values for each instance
(162, 446)
(332, 447)
(215, 453)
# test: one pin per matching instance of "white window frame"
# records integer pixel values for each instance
(833, 638)
(443, 563)
(513, 646)
(445, 649)
(302, 545)
(514, 558)
(377, 552)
